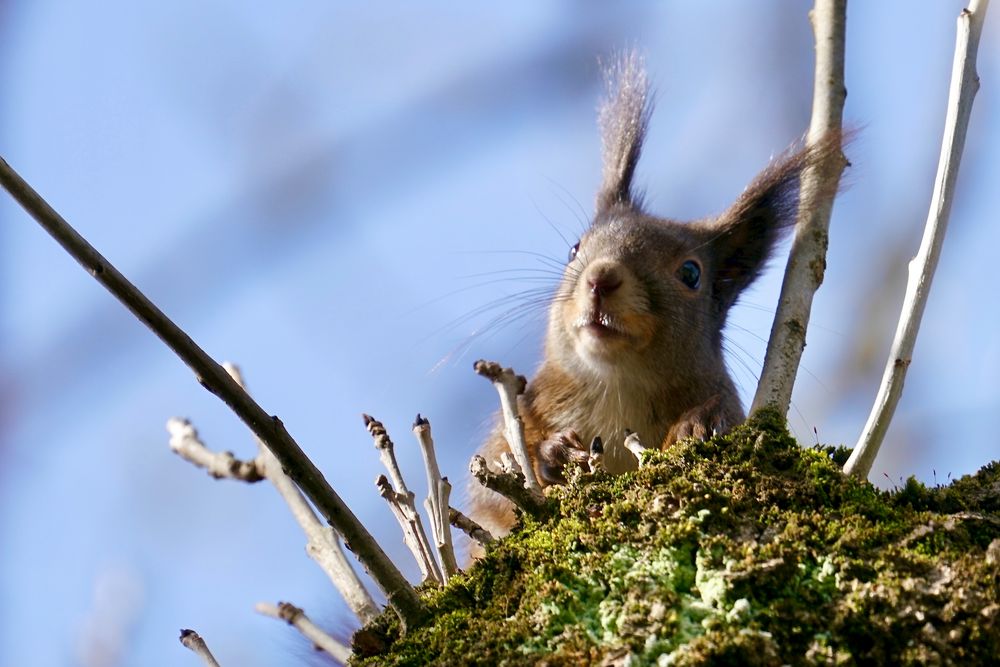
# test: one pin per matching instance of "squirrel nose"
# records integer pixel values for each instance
(603, 281)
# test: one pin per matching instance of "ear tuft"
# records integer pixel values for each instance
(743, 238)
(623, 119)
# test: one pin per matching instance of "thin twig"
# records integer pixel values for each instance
(964, 85)
(185, 443)
(402, 503)
(807, 258)
(323, 544)
(193, 641)
(294, 616)
(386, 451)
(510, 486)
(400, 594)
(438, 495)
(404, 509)
(510, 385)
(470, 527)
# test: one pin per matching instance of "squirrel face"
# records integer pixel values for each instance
(632, 292)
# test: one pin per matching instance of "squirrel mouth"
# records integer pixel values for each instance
(600, 324)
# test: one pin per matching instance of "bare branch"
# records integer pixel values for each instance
(323, 544)
(386, 451)
(807, 259)
(509, 485)
(401, 502)
(509, 385)
(193, 641)
(470, 527)
(297, 618)
(964, 85)
(186, 444)
(213, 377)
(438, 494)
(404, 509)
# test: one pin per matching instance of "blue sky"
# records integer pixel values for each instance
(322, 193)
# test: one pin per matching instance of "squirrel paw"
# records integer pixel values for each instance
(702, 422)
(558, 450)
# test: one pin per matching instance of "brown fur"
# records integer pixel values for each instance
(631, 345)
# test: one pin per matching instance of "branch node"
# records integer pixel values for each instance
(510, 486)
(470, 527)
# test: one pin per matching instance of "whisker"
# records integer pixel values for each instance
(584, 217)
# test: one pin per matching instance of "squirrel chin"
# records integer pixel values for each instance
(599, 348)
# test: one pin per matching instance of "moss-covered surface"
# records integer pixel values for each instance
(744, 550)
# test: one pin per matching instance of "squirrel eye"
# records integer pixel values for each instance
(690, 274)
(573, 250)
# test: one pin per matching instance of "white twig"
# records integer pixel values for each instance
(386, 451)
(404, 509)
(509, 385)
(634, 445)
(400, 594)
(438, 495)
(193, 641)
(807, 258)
(294, 616)
(470, 527)
(964, 85)
(323, 544)
(185, 443)
(401, 502)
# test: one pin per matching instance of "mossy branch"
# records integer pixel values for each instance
(214, 378)
(964, 85)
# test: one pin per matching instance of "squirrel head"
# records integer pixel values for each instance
(649, 296)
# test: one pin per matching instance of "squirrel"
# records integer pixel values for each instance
(634, 337)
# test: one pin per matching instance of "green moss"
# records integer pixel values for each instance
(746, 549)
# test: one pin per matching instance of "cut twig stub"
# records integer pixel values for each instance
(193, 641)
(386, 451)
(294, 616)
(438, 494)
(510, 485)
(634, 445)
(509, 386)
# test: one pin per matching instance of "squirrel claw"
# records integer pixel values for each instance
(556, 452)
(702, 422)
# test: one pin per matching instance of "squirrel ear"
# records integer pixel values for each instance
(743, 238)
(623, 118)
